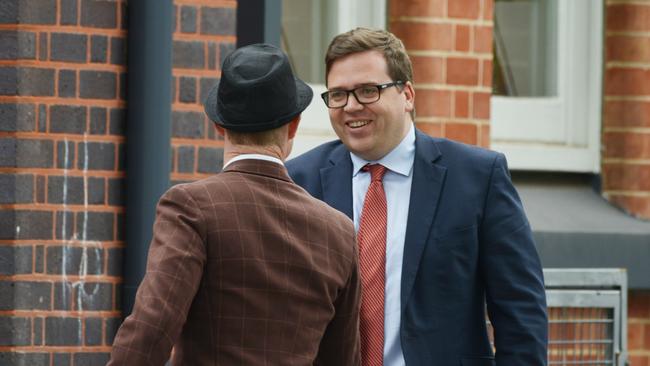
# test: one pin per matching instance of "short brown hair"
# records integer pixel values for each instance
(366, 39)
(263, 138)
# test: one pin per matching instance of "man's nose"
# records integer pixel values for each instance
(353, 104)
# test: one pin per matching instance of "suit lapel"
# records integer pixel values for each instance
(426, 188)
(336, 181)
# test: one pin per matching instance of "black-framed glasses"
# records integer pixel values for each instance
(365, 94)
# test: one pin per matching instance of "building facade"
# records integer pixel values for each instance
(64, 117)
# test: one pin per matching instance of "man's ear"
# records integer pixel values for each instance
(409, 93)
(220, 130)
(293, 126)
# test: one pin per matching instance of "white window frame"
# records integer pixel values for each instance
(559, 133)
(315, 127)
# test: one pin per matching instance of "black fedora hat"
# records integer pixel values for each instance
(257, 91)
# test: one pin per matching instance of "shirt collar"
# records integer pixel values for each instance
(253, 156)
(398, 160)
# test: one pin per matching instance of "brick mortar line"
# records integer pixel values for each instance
(450, 87)
(635, 320)
(69, 172)
(628, 33)
(177, 23)
(627, 2)
(197, 142)
(441, 20)
(70, 29)
(198, 37)
(57, 278)
(65, 243)
(58, 10)
(62, 136)
(180, 72)
(627, 98)
(448, 120)
(627, 65)
(119, 17)
(542, 144)
(63, 65)
(56, 207)
(115, 244)
(206, 55)
(483, 56)
(187, 107)
(641, 130)
(638, 194)
(212, 3)
(623, 161)
(49, 101)
(481, 10)
(57, 349)
(635, 352)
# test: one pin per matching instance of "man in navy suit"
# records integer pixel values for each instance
(456, 235)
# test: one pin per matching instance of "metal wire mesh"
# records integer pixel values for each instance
(579, 336)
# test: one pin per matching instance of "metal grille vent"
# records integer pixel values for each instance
(587, 310)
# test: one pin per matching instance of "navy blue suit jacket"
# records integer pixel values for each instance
(468, 243)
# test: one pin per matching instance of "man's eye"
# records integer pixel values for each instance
(337, 95)
(367, 91)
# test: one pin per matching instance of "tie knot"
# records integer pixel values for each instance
(377, 171)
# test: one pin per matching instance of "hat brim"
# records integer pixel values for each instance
(304, 95)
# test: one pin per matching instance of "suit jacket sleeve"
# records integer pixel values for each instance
(515, 293)
(174, 269)
(340, 344)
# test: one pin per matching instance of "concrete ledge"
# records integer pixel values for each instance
(574, 227)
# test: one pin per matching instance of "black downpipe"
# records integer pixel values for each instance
(148, 131)
(259, 21)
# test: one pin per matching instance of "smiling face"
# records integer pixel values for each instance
(370, 131)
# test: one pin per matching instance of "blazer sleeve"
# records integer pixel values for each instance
(515, 293)
(340, 344)
(174, 269)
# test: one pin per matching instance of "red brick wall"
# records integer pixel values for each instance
(638, 331)
(450, 44)
(626, 118)
(62, 87)
(204, 34)
(626, 138)
(62, 120)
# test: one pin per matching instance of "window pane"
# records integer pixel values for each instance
(308, 26)
(525, 48)
(306, 31)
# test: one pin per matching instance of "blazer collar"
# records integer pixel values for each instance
(259, 167)
(426, 189)
(336, 181)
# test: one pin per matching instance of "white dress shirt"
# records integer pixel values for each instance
(253, 156)
(397, 186)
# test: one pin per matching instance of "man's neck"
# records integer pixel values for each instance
(231, 151)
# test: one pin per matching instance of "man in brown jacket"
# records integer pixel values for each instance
(245, 268)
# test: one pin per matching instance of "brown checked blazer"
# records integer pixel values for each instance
(245, 268)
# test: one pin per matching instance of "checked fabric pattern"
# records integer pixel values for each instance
(372, 261)
(245, 268)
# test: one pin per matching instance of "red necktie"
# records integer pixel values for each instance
(372, 260)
